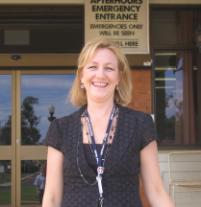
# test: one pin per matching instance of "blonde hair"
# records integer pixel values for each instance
(122, 94)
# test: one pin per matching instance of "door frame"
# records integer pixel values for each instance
(36, 64)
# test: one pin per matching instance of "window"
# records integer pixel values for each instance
(169, 95)
(174, 58)
(41, 29)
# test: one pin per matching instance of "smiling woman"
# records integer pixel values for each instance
(101, 76)
(98, 152)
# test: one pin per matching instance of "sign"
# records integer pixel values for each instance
(123, 21)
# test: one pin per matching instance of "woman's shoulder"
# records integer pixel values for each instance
(70, 118)
(126, 109)
(134, 114)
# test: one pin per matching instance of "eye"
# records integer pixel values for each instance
(109, 68)
(92, 67)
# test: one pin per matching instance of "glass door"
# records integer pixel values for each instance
(29, 101)
(175, 98)
(7, 159)
(43, 97)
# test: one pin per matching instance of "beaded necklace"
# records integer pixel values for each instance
(100, 157)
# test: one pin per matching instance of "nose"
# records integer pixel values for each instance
(100, 72)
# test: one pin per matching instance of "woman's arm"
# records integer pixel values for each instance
(54, 179)
(151, 178)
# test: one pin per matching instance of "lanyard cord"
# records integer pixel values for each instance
(99, 157)
(79, 169)
(103, 151)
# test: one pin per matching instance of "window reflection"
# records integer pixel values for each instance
(5, 183)
(32, 181)
(39, 92)
(5, 109)
(169, 96)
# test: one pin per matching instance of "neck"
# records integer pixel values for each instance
(98, 110)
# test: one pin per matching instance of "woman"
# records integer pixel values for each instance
(95, 155)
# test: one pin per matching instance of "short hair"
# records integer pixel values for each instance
(123, 93)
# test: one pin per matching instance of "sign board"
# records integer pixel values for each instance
(124, 21)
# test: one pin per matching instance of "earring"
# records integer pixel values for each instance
(117, 88)
(82, 85)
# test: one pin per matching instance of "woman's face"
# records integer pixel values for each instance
(100, 76)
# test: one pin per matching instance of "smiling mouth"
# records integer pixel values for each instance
(99, 84)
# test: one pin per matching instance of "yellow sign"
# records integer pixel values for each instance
(124, 21)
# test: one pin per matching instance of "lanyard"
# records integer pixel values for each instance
(100, 157)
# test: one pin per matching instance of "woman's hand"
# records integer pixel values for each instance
(151, 178)
(54, 179)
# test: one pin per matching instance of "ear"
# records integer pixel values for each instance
(80, 76)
